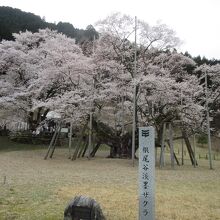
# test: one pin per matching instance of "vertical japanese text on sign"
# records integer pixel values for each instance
(146, 173)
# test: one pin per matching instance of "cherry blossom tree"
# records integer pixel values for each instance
(213, 89)
(163, 78)
(48, 71)
(13, 79)
(115, 46)
(44, 70)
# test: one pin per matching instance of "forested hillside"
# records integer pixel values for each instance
(14, 20)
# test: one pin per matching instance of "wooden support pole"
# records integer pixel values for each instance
(84, 145)
(174, 155)
(162, 153)
(95, 149)
(74, 156)
(182, 149)
(171, 145)
(189, 148)
(194, 150)
(176, 159)
(55, 142)
(90, 135)
(85, 149)
(70, 138)
(51, 143)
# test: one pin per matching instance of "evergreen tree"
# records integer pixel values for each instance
(14, 20)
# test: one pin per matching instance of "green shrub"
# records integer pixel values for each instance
(202, 139)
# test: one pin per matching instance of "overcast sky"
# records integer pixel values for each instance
(196, 22)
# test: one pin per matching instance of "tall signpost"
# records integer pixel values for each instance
(146, 173)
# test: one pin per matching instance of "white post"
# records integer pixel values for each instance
(208, 123)
(122, 123)
(90, 114)
(134, 126)
(182, 144)
(134, 101)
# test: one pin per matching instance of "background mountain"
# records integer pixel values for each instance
(14, 20)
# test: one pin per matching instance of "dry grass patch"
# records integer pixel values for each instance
(117, 202)
(39, 189)
(188, 194)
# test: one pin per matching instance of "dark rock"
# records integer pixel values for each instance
(83, 208)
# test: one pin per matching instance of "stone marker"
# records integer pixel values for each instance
(146, 173)
(83, 208)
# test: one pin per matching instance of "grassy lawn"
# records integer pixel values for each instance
(40, 189)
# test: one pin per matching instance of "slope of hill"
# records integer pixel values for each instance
(14, 20)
